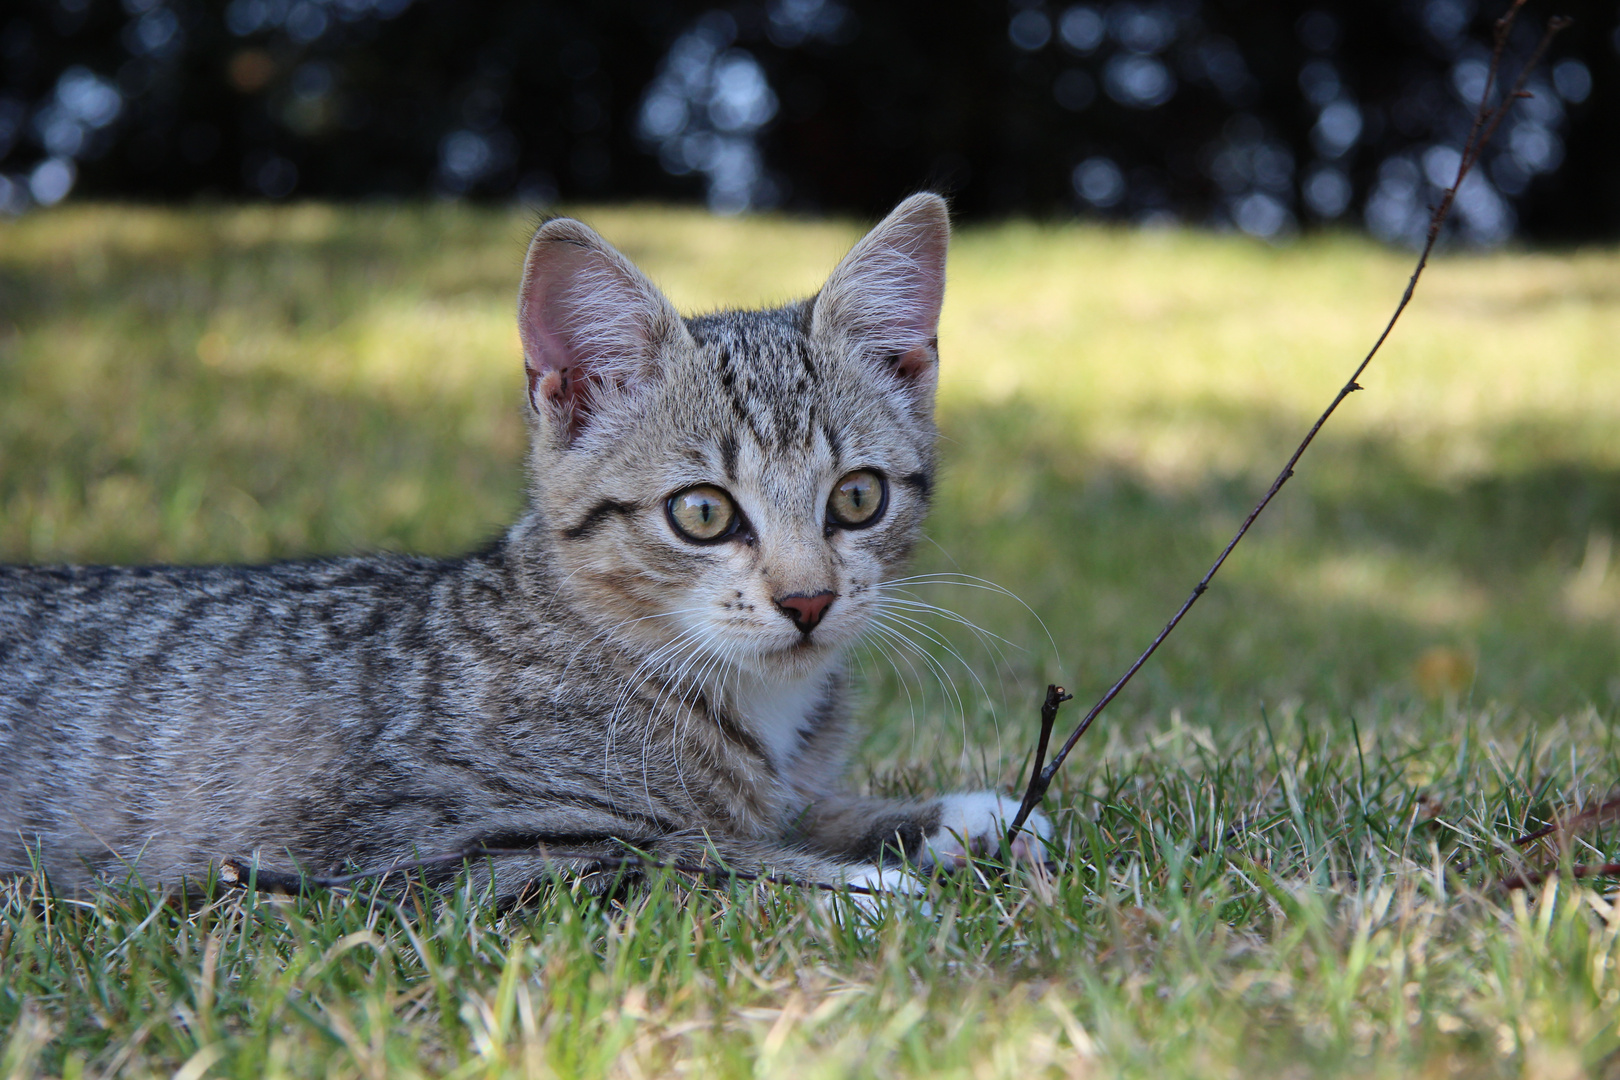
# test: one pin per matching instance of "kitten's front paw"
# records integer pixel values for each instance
(973, 823)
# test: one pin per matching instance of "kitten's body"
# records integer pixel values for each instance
(595, 678)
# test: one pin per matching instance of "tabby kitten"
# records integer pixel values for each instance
(653, 655)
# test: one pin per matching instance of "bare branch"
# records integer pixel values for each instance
(1561, 831)
(1486, 120)
(1529, 879)
(239, 874)
(1039, 779)
(1558, 836)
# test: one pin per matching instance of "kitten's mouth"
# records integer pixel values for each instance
(803, 645)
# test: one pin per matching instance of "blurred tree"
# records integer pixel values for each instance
(1262, 117)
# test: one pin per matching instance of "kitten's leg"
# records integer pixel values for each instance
(873, 885)
(515, 876)
(786, 863)
(942, 832)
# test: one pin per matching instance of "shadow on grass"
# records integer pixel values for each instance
(1363, 563)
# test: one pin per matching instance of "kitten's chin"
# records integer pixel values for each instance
(797, 658)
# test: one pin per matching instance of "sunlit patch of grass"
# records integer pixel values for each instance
(1281, 843)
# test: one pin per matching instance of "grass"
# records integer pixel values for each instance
(1283, 843)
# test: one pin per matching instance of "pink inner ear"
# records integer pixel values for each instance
(913, 363)
(885, 296)
(582, 328)
(561, 388)
(558, 379)
(555, 354)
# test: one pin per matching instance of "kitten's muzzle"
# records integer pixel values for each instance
(805, 609)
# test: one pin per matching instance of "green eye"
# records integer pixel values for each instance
(702, 513)
(857, 499)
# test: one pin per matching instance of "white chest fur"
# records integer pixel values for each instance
(777, 710)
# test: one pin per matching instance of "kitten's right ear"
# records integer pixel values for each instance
(592, 326)
(884, 297)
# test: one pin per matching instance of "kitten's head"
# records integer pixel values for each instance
(732, 487)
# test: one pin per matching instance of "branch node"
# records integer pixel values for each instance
(1040, 778)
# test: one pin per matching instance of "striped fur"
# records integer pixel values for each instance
(590, 680)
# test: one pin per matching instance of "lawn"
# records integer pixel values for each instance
(1284, 845)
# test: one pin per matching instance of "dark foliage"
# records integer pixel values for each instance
(1267, 117)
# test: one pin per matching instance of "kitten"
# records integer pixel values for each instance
(652, 655)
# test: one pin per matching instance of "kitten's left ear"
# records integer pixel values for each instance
(884, 298)
(592, 326)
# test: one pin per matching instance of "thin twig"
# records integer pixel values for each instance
(1529, 879)
(1558, 834)
(1055, 697)
(1561, 830)
(1486, 120)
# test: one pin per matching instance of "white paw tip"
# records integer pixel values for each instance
(973, 823)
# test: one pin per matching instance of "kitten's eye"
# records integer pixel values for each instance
(858, 499)
(702, 513)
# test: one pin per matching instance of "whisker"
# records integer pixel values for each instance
(944, 676)
(716, 659)
(929, 633)
(895, 594)
(898, 637)
(578, 649)
(886, 638)
(970, 581)
(931, 662)
(681, 642)
(899, 678)
(907, 600)
(675, 685)
(998, 659)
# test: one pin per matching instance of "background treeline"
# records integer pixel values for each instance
(1261, 116)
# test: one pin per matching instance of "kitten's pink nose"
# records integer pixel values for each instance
(805, 609)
